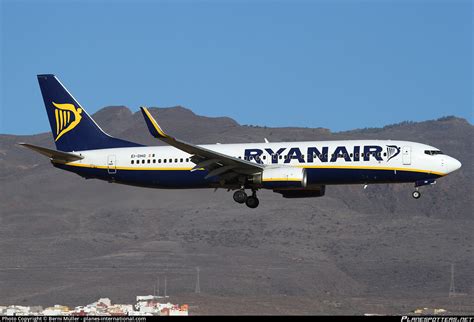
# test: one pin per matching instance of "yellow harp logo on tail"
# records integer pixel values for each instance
(67, 118)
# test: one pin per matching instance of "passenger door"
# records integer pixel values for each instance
(111, 164)
(406, 155)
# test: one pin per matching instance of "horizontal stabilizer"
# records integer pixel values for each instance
(53, 154)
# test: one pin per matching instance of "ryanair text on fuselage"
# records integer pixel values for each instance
(357, 153)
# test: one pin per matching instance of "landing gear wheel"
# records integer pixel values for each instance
(240, 196)
(252, 202)
(416, 194)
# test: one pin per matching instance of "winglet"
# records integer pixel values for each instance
(153, 126)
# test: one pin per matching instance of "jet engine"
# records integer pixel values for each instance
(280, 178)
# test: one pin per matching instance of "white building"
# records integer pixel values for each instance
(146, 305)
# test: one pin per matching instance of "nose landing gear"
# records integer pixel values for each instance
(416, 194)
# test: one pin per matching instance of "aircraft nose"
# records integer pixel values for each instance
(452, 164)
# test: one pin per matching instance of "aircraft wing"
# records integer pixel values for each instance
(217, 163)
(53, 154)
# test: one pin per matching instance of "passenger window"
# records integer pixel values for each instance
(176, 160)
(133, 161)
(170, 160)
(159, 160)
(148, 161)
(164, 160)
(187, 160)
(181, 160)
(154, 160)
(143, 161)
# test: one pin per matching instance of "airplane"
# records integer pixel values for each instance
(292, 169)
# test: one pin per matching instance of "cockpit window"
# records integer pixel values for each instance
(433, 152)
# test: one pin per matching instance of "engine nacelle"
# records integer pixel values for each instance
(281, 177)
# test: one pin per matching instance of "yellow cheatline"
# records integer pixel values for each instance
(269, 179)
(281, 179)
(92, 166)
(370, 168)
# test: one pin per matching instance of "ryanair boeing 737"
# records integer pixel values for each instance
(292, 169)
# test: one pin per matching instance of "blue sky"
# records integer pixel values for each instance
(334, 64)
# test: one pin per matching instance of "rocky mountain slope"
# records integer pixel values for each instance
(67, 240)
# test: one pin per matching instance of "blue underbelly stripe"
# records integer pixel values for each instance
(195, 179)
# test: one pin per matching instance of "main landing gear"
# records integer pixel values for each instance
(240, 196)
(251, 201)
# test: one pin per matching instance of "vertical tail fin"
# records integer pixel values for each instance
(73, 129)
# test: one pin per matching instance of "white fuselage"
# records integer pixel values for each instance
(372, 161)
